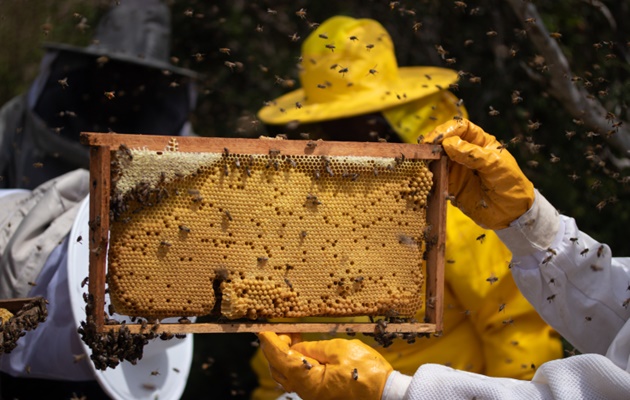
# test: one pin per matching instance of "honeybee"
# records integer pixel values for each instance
(307, 364)
(600, 251)
(63, 82)
(301, 13)
(492, 278)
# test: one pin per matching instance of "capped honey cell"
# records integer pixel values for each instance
(266, 235)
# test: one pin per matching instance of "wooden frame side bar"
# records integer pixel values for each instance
(100, 158)
(263, 146)
(436, 243)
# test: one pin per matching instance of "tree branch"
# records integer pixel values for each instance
(577, 101)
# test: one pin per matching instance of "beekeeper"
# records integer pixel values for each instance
(353, 89)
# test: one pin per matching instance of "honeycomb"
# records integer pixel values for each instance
(265, 235)
(5, 315)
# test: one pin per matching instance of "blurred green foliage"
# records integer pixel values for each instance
(483, 39)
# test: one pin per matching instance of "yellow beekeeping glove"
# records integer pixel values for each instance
(327, 369)
(485, 179)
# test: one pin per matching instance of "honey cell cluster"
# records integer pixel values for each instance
(5, 314)
(267, 235)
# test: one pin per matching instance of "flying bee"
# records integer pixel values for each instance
(184, 228)
(355, 374)
(301, 13)
(626, 302)
(63, 82)
(372, 71)
(237, 162)
(311, 144)
(369, 47)
(574, 240)
(323, 36)
(110, 95)
(331, 47)
(481, 237)
(85, 281)
(550, 298)
(288, 282)
(183, 320)
(501, 307)
(600, 251)
(583, 252)
(262, 259)
(353, 38)
(359, 279)
(224, 50)
(307, 364)
(492, 278)
(292, 162)
(596, 268)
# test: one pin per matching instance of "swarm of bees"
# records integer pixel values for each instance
(13, 327)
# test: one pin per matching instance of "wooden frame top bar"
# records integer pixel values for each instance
(263, 146)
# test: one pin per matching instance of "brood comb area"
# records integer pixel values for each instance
(265, 235)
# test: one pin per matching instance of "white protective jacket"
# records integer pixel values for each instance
(578, 288)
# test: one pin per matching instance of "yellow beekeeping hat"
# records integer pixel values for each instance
(349, 68)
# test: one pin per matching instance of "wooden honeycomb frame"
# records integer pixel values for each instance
(101, 146)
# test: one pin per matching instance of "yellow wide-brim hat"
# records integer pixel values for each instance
(349, 68)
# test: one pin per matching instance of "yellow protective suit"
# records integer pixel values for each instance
(489, 327)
